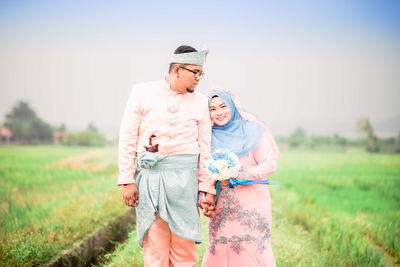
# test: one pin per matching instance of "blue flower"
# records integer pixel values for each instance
(212, 168)
(231, 162)
(218, 155)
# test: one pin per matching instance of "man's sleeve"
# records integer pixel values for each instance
(206, 184)
(128, 138)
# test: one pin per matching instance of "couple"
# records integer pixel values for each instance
(167, 130)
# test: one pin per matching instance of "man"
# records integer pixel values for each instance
(166, 127)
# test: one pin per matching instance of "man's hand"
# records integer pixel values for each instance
(130, 195)
(207, 205)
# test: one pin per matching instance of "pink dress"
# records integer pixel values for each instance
(240, 231)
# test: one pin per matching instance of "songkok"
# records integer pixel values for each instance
(192, 58)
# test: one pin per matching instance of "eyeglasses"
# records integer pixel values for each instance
(197, 74)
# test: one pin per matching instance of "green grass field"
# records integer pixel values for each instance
(336, 208)
(346, 203)
(51, 197)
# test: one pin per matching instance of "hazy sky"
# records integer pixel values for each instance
(317, 64)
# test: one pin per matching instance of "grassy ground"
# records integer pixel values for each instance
(51, 197)
(347, 202)
(337, 208)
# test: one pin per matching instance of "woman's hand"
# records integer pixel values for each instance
(225, 183)
(242, 173)
(207, 205)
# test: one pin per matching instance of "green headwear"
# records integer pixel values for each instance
(192, 58)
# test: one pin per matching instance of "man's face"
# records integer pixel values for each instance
(187, 77)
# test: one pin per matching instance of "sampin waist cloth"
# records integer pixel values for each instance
(168, 185)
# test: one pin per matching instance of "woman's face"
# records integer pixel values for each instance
(219, 112)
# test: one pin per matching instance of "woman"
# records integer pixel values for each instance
(240, 229)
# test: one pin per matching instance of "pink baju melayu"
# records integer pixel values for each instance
(146, 113)
(168, 221)
(240, 231)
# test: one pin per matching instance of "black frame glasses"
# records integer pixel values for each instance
(197, 74)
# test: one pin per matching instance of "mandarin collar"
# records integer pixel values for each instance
(168, 89)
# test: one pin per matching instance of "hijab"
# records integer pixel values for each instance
(238, 135)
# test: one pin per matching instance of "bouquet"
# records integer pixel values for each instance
(223, 164)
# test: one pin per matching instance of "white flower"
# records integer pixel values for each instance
(223, 165)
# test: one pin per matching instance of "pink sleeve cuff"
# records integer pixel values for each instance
(205, 187)
(126, 180)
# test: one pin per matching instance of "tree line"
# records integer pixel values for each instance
(28, 128)
(368, 139)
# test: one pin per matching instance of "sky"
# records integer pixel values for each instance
(320, 65)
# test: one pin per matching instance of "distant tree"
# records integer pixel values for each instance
(387, 141)
(339, 140)
(319, 140)
(92, 128)
(21, 110)
(85, 138)
(398, 143)
(365, 127)
(297, 138)
(41, 130)
(26, 126)
(362, 141)
(62, 128)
